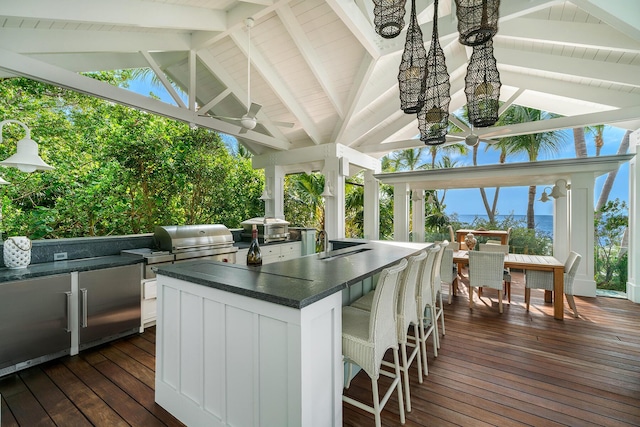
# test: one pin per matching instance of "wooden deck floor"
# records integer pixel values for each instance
(513, 369)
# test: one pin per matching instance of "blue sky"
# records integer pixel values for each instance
(512, 200)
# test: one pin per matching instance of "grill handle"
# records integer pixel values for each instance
(204, 245)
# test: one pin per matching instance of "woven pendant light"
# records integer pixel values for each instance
(388, 17)
(411, 78)
(477, 20)
(433, 117)
(482, 86)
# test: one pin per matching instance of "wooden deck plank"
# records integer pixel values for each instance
(515, 369)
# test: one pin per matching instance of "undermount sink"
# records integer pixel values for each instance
(330, 256)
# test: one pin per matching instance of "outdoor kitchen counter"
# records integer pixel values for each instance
(61, 267)
(249, 346)
(301, 281)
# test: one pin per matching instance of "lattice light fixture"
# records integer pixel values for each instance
(388, 17)
(477, 20)
(413, 67)
(433, 117)
(482, 86)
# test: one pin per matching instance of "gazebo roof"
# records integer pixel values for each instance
(320, 65)
(507, 174)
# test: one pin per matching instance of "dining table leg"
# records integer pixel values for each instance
(558, 292)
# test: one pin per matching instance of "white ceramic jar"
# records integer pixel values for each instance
(17, 252)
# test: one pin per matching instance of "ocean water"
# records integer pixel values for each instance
(544, 223)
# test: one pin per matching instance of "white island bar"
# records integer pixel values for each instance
(243, 346)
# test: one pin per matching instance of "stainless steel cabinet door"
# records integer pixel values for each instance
(109, 303)
(34, 318)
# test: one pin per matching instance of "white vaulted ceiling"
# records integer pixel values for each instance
(320, 65)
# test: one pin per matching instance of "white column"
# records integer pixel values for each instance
(561, 227)
(334, 206)
(417, 197)
(401, 212)
(371, 206)
(274, 183)
(581, 231)
(633, 281)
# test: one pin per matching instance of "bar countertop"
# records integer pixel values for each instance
(301, 281)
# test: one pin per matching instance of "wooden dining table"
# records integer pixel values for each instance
(532, 262)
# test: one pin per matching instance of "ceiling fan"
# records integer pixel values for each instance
(248, 121)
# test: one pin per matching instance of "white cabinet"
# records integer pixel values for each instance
(273, 253)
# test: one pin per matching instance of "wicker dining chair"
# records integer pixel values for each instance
(486, 270)
(366, 337)
(506, 275)
(544, 280)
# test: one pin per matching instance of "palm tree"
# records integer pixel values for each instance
(408, 159)
(533, 145)
(598, 135)
(579, 142)
(611, 176)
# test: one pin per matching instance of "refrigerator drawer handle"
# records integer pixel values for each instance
(84, 307)
(69, 295)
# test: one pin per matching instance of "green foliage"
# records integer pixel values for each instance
(522, 240)
(610, 265)
(118, 170)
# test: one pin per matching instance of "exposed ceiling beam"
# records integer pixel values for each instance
(29, 41)
(277, 85)
(577, 34)
(134, 13)
(212, 64)
(351, 15)
(47, 73)
(620, 14)
(307, 51)
(163, 79)
(575, 67)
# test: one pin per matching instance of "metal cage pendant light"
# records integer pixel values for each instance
(388, 17)
(433, 117)
(477, 20)
(413, 67)
(482, 86)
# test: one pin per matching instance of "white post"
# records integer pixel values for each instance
(633, 281)
(561, 227)
(334, 206)
(417, 197)
(274, 184)
(582, 231)
(401, 212)
(371, 206)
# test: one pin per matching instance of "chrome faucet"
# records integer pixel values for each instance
(322, 236)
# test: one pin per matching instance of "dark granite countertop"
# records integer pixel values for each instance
(61, 267)
(301, 281)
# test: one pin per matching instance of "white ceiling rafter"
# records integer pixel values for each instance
(577, 34)
(212, 64)
(163, 79)
(576, 58)
(50, 74)
(134, 13)
(619, 14)
(308, 52)
(277, 84)
(363, 75)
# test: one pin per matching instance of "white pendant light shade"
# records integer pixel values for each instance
(26, 158)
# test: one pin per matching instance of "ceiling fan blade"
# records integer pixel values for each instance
(282, 124)
(253, 109)
(243, 129)
(237, 119)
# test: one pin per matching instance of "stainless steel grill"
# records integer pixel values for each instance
(269, 229)
(178, 243)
